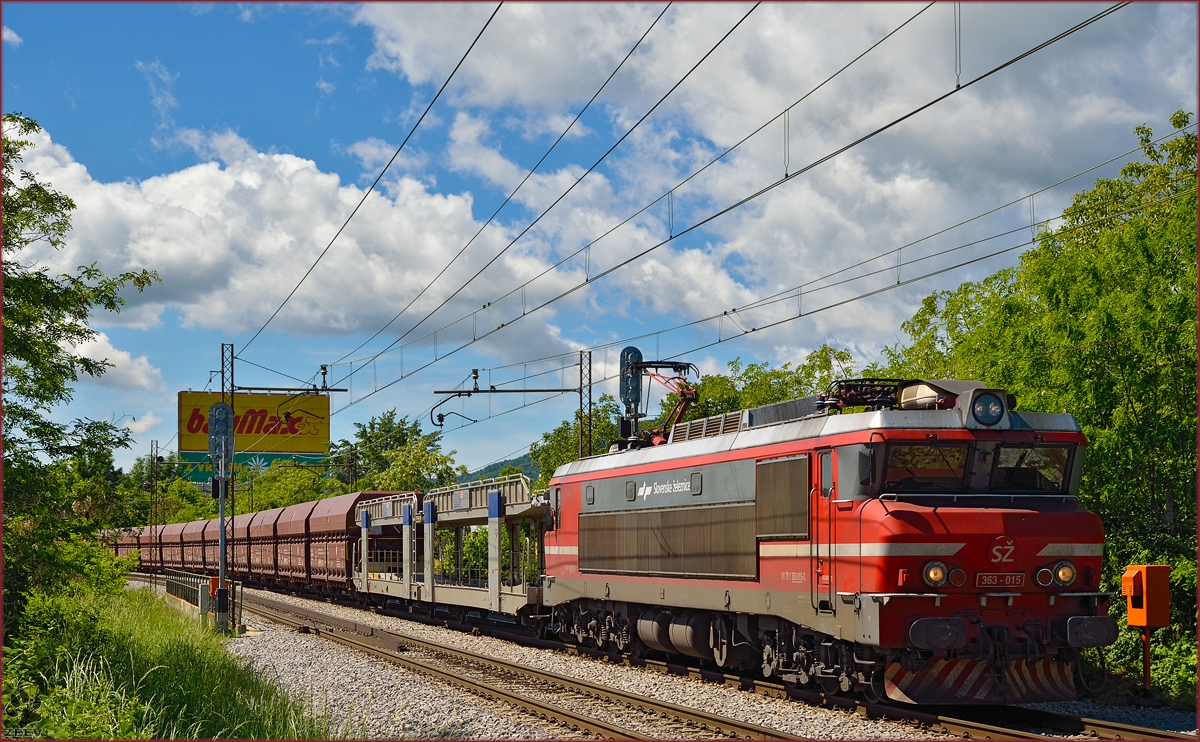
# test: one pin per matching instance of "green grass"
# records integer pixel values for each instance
(130, 666)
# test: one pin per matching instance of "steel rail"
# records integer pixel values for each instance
(376, 646)
(713, 723)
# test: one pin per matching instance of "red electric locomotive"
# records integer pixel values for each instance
(930, 549)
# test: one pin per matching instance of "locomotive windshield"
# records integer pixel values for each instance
(983, 467)
(925, 468)
(1030, 468)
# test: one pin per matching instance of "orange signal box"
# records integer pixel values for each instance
(213, 584)
(1147, 591)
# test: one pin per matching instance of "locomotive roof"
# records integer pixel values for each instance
(747, 435)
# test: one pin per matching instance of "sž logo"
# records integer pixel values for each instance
(1002, 550)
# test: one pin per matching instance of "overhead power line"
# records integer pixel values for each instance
(588, 280)
(372, 188)
(841, 303)
(514, 191)
(893, 250)
(792, 293)
(655, 201)
(572, 186)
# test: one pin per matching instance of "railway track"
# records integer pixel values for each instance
(969, 722)
(578, 704)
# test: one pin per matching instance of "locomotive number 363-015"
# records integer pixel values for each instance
(1000, 579)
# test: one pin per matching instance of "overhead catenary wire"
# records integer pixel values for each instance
(375, 183)
(789, 292)
(575, 183)
(656, 200)
(514, 191)
(843, 302)
(747, 199)
(884, 289)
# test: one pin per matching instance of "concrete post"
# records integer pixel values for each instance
(458, 556)
(406, 515)
(430, 519)
(495, 519)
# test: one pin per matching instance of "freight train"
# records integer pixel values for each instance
(929, 548)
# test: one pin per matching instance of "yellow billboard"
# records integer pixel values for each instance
(267, 423)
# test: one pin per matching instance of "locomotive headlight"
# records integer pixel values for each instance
(1064, 573)
(987, 409)
(934, 574)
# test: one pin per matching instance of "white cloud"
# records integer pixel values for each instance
(143, 423)
(325, 86)
(232, 235)
(230, 238)
(11, 37)
(127, 373)
(160, 81)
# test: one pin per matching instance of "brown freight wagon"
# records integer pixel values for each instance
(212, 545)
(334, 534)
(291, 538)
(172, 545)
(239, 554)
(193, 546)
(150, 545)
(263, 544)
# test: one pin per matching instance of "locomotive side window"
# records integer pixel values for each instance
(856, 474)
(925, 468)
(590, 495)
(781, 492)
(697, 483)
(631, 491)
(826, 474)
(1030, 468)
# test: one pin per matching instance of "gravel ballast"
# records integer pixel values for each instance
(413, 703)
(369, 697)
(1169, 719)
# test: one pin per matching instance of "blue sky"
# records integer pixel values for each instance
(223, 145)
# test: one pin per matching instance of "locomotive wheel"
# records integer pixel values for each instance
(829, 685)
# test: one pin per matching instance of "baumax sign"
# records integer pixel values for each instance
(275, 423)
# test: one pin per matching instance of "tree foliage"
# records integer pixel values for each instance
(420, 464)
(59, 484)
(281, 484)
(372, 441)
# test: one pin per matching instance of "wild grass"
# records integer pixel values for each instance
(130, 666)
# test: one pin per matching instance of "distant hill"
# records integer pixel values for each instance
(524, 463)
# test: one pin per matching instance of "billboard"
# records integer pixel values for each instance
(263, 423)
(199, 469)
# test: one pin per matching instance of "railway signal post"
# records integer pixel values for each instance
(220, 449)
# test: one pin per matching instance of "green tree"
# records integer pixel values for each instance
(283, 484)
(371, 442)
(561, 445)
(420, 464)
(58, 483)
(1099, 320)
